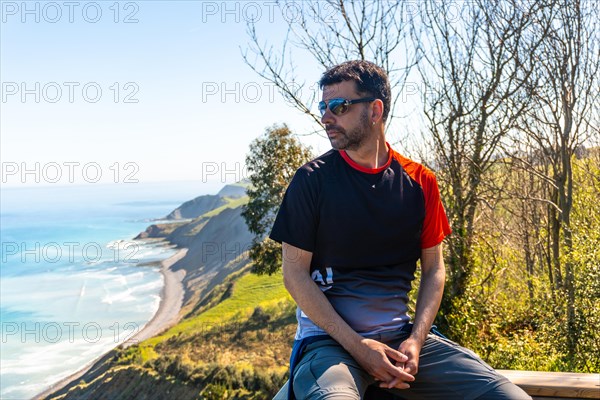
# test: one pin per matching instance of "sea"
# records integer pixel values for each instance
(73, 282)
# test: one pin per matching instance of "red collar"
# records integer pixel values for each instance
(360, 168)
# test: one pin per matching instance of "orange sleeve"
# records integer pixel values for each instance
(435, 225)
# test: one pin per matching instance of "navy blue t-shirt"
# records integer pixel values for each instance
(365, 228)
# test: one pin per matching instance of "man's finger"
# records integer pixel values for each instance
(398, 373)
(411, 367)
(382, 378)
(394, 383)
(395, 354)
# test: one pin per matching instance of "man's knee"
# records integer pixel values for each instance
(327, 371)
(331, 395)
(313, 381)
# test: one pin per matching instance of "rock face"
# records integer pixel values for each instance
(196, 207)
(234, 191)
(203, 204)
(157, 231)
(217, 249)
(216, 243)
(212, 241)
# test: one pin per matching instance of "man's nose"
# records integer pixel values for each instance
(327, 118)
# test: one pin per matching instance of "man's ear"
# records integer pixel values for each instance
(377, 111)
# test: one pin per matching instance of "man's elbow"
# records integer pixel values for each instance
(295, 266)
(287, 278)
(291, 276)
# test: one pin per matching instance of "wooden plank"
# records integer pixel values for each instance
(556, 384)
(550, 398)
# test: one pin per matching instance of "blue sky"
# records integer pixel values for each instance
(163, 97)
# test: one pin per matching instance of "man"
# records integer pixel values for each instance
(353, 224)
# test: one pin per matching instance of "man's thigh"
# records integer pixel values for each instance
(327, 371)
(446, 371)
(449, 371)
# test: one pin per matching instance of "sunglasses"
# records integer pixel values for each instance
(339, 106)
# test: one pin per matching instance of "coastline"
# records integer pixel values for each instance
(171, 301)
(167, 315)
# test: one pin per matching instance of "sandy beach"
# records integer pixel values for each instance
(167, 315)
(171, 300)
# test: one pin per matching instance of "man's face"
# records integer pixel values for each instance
(350, 130)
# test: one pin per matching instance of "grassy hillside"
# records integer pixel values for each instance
(241, 298)
(230, 203)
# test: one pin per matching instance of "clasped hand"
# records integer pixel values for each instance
(375, 358)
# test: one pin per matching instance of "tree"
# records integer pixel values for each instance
(565, 98)
(331, 32)
(474, 68)
(272, 161)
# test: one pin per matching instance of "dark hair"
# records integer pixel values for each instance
(370, 79)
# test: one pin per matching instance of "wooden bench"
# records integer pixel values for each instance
(556, 385)
(539, 385)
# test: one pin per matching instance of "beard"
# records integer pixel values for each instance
(350, 139)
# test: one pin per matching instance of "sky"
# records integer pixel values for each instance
(144, 91)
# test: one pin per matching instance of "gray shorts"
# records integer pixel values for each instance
(446, 371)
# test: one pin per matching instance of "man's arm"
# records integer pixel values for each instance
(370, 354)
(431, 288)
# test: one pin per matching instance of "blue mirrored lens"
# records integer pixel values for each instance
(334, 105)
